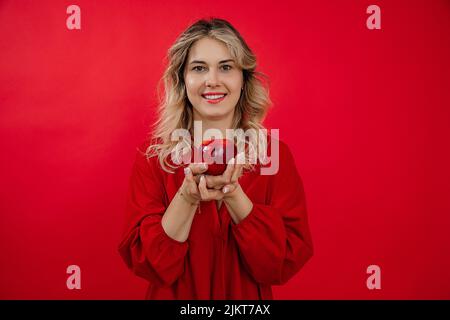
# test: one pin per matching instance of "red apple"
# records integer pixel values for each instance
(215, 154)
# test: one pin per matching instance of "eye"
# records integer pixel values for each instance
(227, 67)
(198, 68)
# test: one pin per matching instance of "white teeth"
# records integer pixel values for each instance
(213, 97)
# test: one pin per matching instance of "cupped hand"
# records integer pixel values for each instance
(189, 188)
(219, 187)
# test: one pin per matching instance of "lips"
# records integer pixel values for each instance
(214, 97)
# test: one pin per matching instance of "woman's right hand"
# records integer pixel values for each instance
(189, 188)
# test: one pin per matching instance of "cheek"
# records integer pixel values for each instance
(235, 84)
(192, 85)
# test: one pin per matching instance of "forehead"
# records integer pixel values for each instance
(209, 50)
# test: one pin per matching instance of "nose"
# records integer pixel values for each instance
(212, 79)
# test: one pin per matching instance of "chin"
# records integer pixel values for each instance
(217, 114)
(214, 116)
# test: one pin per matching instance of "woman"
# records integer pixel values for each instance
(199, 236)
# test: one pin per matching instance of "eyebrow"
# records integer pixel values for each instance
(203, 62)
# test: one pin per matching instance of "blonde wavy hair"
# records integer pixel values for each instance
(175, 110)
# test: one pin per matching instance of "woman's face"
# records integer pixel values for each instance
(213, 80)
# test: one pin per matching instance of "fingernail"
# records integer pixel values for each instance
(231, 161)
(226, 189)
(187, 171)
(203, 166)
(202, 177)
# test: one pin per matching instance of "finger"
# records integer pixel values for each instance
(190, 185)
(229, 188)
(208, 194)
(228, 173)
(212, 182)
(237, 173)
(238, 168)
(216, 182)
(202, 188)
(198, 168)
(188, 174)
(190, 181)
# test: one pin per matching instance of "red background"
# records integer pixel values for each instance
(365, 112)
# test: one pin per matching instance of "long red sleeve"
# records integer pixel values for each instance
(274, 240)
(146, 249)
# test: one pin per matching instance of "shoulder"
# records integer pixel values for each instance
(278, 148)
(147, 142)
(146, 161)
(277, 158)
(285, 165)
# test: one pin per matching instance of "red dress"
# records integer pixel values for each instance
(220, 260)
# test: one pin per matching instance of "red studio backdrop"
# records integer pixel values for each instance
(364, 111)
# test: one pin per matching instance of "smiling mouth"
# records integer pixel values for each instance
(214, 97)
